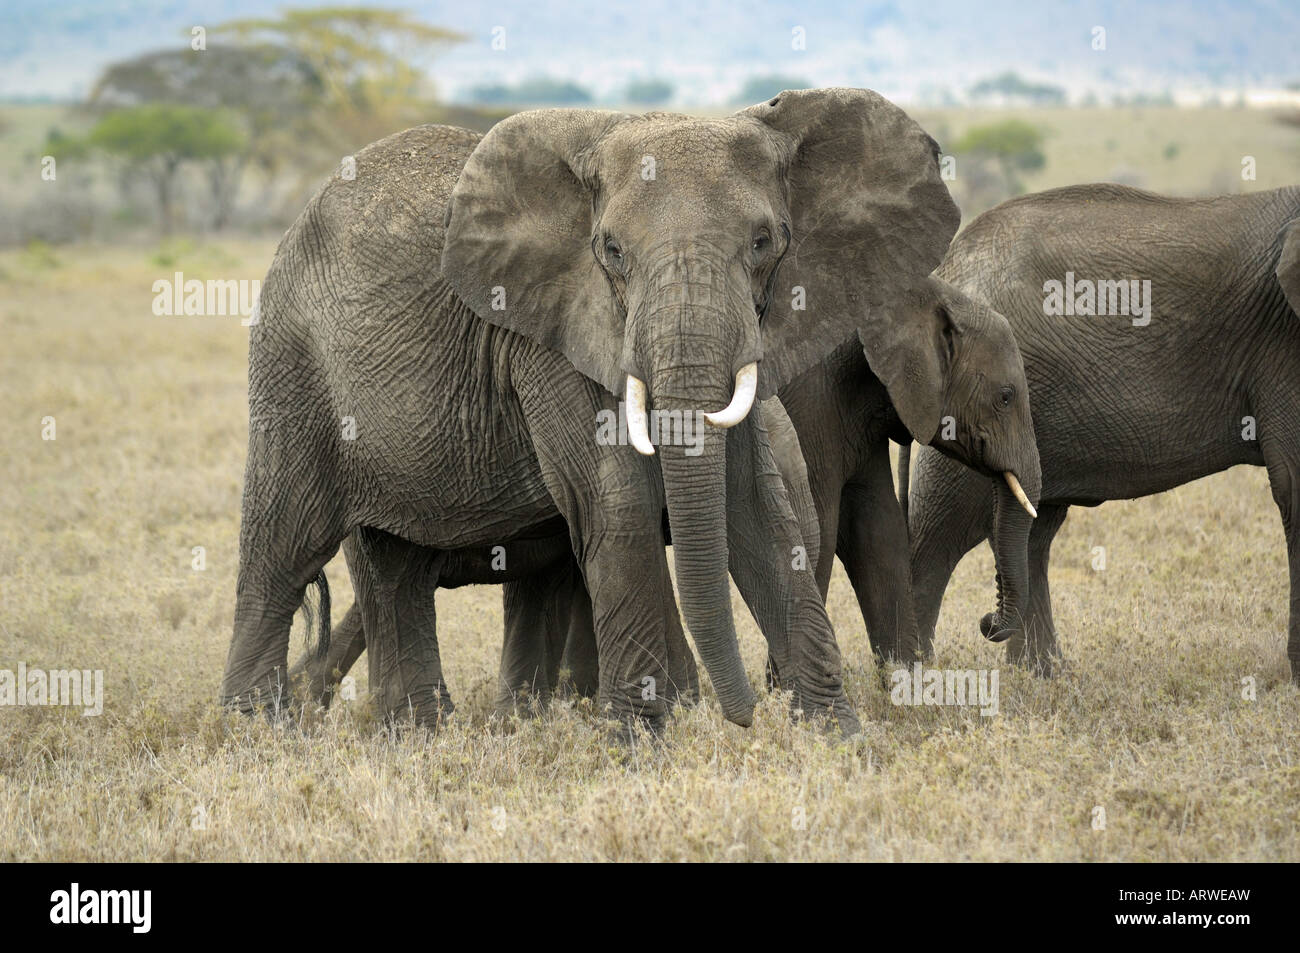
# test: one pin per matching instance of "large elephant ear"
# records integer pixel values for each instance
(518, 245)
(913, 355)
(870, 218)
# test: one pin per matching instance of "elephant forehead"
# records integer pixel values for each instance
(689, 176)
(715, 147)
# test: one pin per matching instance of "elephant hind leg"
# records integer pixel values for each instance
(1282, 457)
(287, 535)
(396, 584)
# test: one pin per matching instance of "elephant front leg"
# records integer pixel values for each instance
(769, 563)
(580, 656)
(610, 500)
(1036, 646)
(396, 582)
(873, 545)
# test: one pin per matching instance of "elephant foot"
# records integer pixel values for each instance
(1044, 664)
(682, 699)
(834, 714)
(628, 733)
(273, 702)
(847, 720)
(429, 711)
(524, 701)
(313, 687)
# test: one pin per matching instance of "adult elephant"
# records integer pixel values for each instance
(583, 254)
(947, 373)
(547, 610)
(1136, 388)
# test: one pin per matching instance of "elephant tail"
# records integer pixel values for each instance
(318, 619)
(904, 477)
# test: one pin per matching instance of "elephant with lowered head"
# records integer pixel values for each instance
(1176, 356)
(946, 372)
(466, 309)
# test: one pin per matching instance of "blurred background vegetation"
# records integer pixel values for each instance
(233, 137)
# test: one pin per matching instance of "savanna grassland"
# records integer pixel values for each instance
(97, 535)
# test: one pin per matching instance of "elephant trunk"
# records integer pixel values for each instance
(695, 491)
(698, 347)
(1013, 516)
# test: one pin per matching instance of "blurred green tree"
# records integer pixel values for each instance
(155, 140)
(370, 61)
(648, 92)
(304, 87)
(1012, 147)
(271, 91)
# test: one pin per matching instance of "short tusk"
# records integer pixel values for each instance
(742, 398)
(636, 421)
(1019, 491)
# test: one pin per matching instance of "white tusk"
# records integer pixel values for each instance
(1019, 491)
(636, 423)
(742, 398)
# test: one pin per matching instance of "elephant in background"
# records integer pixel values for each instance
(572, 269)
(1200, 373)
(947, 373)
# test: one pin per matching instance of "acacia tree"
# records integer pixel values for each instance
(372, 63)
(155, 140)
(303, 88)
(269, 91)
(996, 155)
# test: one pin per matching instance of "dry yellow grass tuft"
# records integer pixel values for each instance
(97, 530)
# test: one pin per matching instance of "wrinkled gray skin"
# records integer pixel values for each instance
(1123, 411)
(569, 265)
(547, 610)
(947, 356)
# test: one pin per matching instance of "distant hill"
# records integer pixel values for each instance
(708, 49)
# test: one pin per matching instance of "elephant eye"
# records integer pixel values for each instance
(614, 252)
(761, 241)
(1006, 395)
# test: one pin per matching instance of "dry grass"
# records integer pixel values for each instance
(95, 557)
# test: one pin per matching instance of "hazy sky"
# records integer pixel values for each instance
(707, 48)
